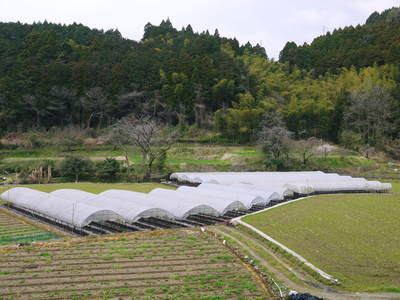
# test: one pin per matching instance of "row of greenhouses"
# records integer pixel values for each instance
(78, 208)
(285, 184)
(216, 195)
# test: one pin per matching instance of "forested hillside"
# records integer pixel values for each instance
(56, 75)
(375, 42)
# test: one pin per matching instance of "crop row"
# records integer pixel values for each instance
(184, 265)
(111, 249)
(213, 288)
(35, 271)
(110, 254)
(14, 231)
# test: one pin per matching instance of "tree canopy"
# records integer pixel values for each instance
(54, 75)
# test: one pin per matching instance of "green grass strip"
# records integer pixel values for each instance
(42, 236)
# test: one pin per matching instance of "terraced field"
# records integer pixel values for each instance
(14, 231)
(185, 264)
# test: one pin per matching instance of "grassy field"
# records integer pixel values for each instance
(13, 231)
(395, 185)
(95, 188)
(185, 264)
(353, 237)
(200, 157)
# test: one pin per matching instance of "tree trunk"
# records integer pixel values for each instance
(89, 120)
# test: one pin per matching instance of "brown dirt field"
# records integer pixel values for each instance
(182, 264)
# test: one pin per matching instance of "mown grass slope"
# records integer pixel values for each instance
(353, 237)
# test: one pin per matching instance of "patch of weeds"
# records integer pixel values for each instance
(223, 257)
(4, 272)
(107, 258)
(150, 291)
(212, 298)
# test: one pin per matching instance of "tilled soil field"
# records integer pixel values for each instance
(184, 264)
(14, 231)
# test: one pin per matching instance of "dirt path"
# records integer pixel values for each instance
(321, 291)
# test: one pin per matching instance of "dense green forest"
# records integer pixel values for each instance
(53, 75)
(343, 87)
(375, 42)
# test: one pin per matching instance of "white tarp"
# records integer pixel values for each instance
(130, 211)
(177, 208)
(289, 182)
(65, 210)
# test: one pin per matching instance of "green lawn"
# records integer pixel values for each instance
(353, 237)
(395, 184)
(92, 187)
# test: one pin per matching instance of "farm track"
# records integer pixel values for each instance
(188, 264)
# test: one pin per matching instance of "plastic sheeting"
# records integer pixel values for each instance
(129, 210)
(180, 209)
(247, 199)
(222, 205)
(68, 211)
(267, 196)
(175, 199)
(289, 182)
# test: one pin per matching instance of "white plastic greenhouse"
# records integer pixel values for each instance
(178, 208)
(70, 212)
(129, 211)
(222, 205)
(254, 192)
(286, 183)
(176, 199)
(247, 199)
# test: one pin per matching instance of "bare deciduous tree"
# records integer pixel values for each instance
(307, 148)
(275, 140)
(145, 133)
